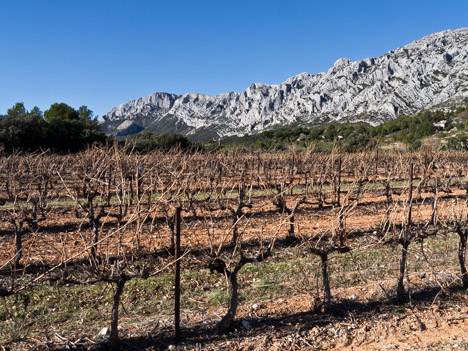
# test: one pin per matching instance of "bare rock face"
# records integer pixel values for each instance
(427, 73)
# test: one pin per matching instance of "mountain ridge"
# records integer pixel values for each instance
(421, 75)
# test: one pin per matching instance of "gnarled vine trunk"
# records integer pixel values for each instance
(463, 234)
(114, 333)
(225, 323)
(401, 292)
(326, 281)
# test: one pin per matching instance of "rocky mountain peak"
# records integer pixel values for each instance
(424, 74)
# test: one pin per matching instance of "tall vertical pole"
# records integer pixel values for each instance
(410, 196)
(339, 176)
(177, 279)
(377, 161)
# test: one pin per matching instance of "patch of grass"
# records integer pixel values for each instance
(47, 307)
(218, 297)
(397, 310)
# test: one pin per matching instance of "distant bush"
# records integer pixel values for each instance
(459, 142)
(147, 141)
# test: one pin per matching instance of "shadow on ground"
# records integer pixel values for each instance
(206, 336)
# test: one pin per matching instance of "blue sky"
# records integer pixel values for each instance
(104, 53)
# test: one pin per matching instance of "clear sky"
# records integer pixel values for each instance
(102, 53)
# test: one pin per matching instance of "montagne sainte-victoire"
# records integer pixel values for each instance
(427, 73)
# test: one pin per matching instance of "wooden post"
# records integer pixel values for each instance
(339, 178)
(410, 197)
(377, 162)
(177, 278)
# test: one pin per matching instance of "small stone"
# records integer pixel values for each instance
(245, 324)
(255, 306)
(104, 331)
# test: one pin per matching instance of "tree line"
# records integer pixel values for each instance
(60, 128)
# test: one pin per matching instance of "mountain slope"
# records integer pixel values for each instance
(421, 75)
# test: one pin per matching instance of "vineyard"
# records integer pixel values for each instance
(294, 250)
